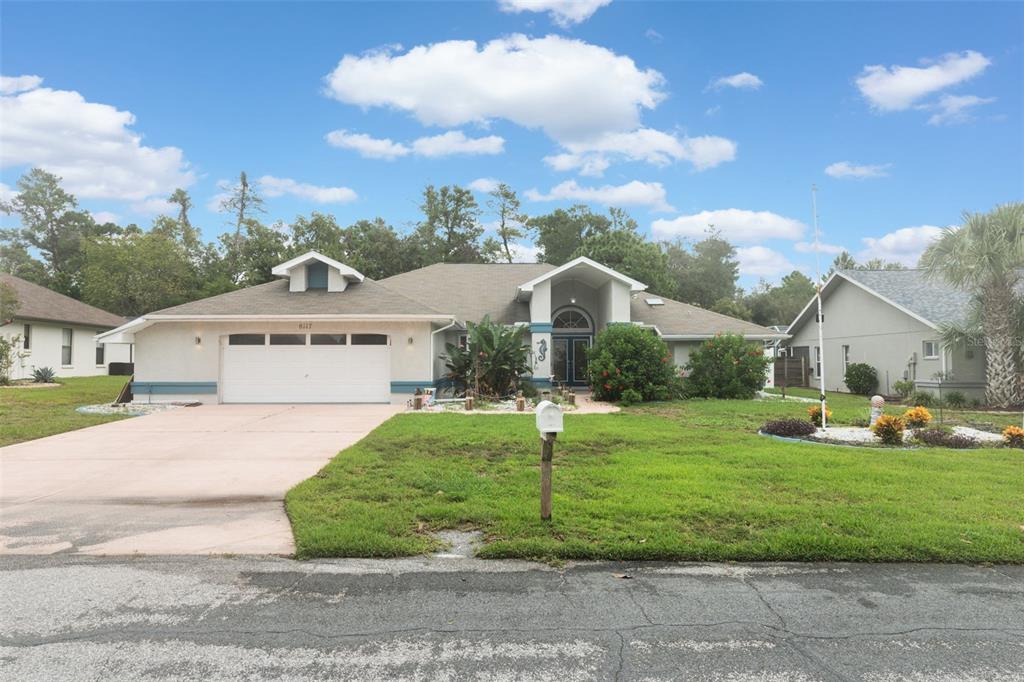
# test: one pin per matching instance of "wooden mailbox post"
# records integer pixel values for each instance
(549, 424)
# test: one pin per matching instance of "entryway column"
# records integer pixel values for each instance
(541, 347)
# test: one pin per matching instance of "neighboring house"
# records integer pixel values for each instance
(59, 332)
(325, 333)
(889, 319)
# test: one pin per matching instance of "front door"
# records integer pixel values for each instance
(569, 360)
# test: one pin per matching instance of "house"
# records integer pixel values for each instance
(59, 332)
(325, 333)
(889, 319)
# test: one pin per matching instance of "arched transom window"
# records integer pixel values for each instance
(572, 318)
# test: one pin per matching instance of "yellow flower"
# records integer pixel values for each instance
(917, 417)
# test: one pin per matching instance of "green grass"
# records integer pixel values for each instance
(29, 413)
(846, 408)
(670, 481)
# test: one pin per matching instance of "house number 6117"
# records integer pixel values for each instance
(305, 325)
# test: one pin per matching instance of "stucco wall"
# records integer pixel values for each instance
(681, 351)
(167, 351)
(882, 336)
(46, 350)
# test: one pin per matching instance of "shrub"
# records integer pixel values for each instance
(861, 378)
(626, 357)
(917, 417)
(1013, 436)
(726, 366)
(889, 429)
(904, 388)
(630, 397)
(493, 362)
(814, 412)
(792, 428)
(43, 375)
(956, 399)
(941, 438)
(922, 399)
(8, 356)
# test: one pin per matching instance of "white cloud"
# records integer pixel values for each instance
(154, 206)
(808, 247)
(537, 83)
(845, 169)
(276, 187)
(897, 88)
(735, 224)
(592, 157)
(653, 36)
(743, 81)
(635, 193)
(902, 246)
(102, 217)
(90, 145)
(10, 85)
(565, 13)
(367, 147)
(456, 142)
(524, 253)
(484, 185)
(954, 109)
(760, 261)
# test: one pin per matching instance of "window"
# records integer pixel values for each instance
(817, 361)
(26, 337)
(247, 340)
(571, 319)
(327, 339)
(846, 358)
(66, 336)
(316, 276)
(287, 339)
(369, 340)
(463, 341)
(100, 355)
(931, 350)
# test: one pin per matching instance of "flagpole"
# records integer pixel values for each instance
(821, 318)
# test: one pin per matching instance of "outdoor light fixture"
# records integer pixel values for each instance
(572, 291)
(199, 340)
(410, 340)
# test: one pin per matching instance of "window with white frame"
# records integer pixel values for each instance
(100, 355)
(463, 341)
(930, 350)
(26, 337)
(66, 337)
(846, 359)
(817, 361)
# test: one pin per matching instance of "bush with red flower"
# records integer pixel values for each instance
(632, 364)
(727, 366)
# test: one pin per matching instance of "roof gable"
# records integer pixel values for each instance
(525, 290)
(285, 269)
(36, 302)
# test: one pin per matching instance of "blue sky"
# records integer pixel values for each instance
(683, 113)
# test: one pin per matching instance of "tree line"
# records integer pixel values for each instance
(131, 271)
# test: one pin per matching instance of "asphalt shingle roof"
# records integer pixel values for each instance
(469, 291)
(674, 318)
(273, 298)
(934, 300)
(39, 303)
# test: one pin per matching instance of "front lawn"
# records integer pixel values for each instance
(669, 481)
(29, 413)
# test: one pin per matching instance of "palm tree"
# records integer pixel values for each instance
(984, 256)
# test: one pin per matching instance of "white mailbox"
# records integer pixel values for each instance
(549, 417)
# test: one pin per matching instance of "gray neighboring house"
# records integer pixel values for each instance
(889, 319)
(59, 332)
(325, 333)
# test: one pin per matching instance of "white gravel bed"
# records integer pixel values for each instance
(764, 395)
(131, 409)
(861, 434)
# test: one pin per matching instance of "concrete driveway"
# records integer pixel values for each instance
(196, 480)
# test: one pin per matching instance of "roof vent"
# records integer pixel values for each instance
(655, 301)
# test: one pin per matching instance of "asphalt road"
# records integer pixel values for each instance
(89, 618)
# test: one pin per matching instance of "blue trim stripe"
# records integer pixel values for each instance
(173, 387)
(540, 382)
(409, 386)
(540, 327)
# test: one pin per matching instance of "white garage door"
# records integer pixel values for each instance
(306, 368)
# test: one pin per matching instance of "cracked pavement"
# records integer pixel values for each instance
(74, 617)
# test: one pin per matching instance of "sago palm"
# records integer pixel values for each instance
(984, 257)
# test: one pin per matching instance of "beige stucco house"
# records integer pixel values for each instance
(889, 319)
(56, 331)
(323, 332)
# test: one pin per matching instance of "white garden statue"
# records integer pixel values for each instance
(877, 405)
